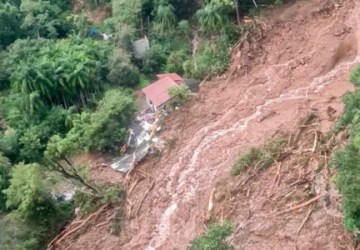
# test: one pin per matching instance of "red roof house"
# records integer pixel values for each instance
(173, 76)
(157, 92)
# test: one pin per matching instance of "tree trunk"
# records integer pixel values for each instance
(64, 100)
(75, 176)
(82, 99)
(255, 3)
(237, 12)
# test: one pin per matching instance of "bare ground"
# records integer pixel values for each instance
(301, 66)
(95, 15)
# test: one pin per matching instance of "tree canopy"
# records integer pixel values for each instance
(65, 89)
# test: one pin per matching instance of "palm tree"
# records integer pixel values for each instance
(65, 73)
(23, 79)
(210, 17)
(166, 17)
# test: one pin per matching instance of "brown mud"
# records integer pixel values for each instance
(299, 66)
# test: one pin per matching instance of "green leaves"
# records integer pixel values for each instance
(42, 18)
(347, 161)
(9, 145)
(103, 129)
(121, 71)
(108, 124)
(26, 191)
(348, 164)
(355, 76)
(60, 72)
(4, 179)
(127, 12)
(179, 94)
(35, 214)
(9, 24)
(165, 17)
(214, 239)
(210, 17)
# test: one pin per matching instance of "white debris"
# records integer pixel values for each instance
(106, 36)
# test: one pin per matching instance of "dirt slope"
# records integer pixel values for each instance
(300, 66)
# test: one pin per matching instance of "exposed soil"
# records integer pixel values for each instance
(95, 15)
(300, 66)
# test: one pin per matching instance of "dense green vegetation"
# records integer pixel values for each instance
(347, 161)
(66, 90)
(179, 94)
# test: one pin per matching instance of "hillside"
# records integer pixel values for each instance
(298, 66)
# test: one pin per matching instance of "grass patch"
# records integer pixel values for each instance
(260, 157)
(214, 239)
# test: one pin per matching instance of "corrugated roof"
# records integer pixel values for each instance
(157, 92)
(173, 76)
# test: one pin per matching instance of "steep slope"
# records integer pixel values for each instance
(300, 66)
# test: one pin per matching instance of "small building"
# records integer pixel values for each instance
(157, 92)
(173, 76)
(141, 46)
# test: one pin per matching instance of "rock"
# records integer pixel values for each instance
(339, 32)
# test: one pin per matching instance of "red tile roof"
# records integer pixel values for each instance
(157, 92)
(173, 76)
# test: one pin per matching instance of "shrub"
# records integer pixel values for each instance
(95, 3)
(127, 12)
(245, 160)
(260, 157)
(27, 192)
(36, 214)
(179, 94)
(351, 112)
(104, 129)
(124, 34)
(16, 234)
(121, 71)
(10, 24)
(154, 60)
(175, 61)
(88, 203)
(347, 161)
(4, 179)
(355, 76)
(9, 143)
(214, 239)
(212, 59)
(107, 127)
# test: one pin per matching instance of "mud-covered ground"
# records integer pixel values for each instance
(299, 65)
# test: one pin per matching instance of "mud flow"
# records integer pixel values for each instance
(297, 66)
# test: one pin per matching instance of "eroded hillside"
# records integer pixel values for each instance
(298, 66)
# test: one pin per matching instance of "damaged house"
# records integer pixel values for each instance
(157, 92)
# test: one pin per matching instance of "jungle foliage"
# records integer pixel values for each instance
(65, 90)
